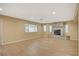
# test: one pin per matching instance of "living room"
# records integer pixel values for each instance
(39, 29)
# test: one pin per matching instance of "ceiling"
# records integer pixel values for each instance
(40, 12)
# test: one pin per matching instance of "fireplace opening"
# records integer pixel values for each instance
(57, 32)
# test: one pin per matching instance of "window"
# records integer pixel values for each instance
(44, 27)
(35, 28)
(26, 27)
(50, 28)
(66, 28)
(30, 28)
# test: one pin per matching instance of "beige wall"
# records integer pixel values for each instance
(0, 31)
(78, 29)
(78, 34)
(13, 30)
(73, 30)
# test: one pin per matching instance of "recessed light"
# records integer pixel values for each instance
(1, 9)
(53, 12)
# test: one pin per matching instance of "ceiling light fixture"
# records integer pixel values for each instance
(53, 12)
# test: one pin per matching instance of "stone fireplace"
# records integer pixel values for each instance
(58, 30)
